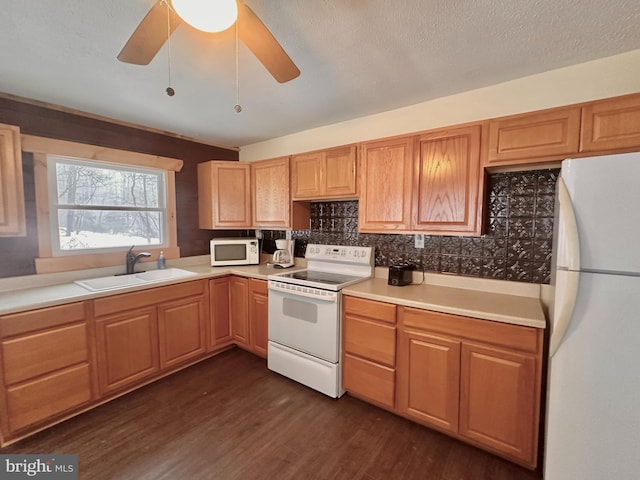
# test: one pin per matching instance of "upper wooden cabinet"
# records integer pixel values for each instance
(534, 137)
(271, 200)
(448, 186)
(325, 174)
(224, 198)
(610, 125)
(271, 197)
(386, 183)
(12, 220)
(431, 183)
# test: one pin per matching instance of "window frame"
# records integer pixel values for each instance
(47, 261)
(55, 206)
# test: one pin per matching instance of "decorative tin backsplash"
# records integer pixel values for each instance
(516, 246)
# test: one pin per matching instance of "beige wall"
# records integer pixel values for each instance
(608, 77)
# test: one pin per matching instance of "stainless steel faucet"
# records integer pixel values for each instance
(132, 259)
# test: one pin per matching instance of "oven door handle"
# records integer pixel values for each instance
(325, 296)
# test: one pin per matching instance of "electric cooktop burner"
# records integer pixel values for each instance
(320, 277)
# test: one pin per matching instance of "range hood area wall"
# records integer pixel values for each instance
(516, 246)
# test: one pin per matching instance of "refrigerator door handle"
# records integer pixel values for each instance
(566, 280)
(569, 226)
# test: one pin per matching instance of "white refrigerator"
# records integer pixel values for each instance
(593, 390)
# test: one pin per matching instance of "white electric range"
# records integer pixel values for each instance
(305, 315)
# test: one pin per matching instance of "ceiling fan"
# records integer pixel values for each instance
(155, 29)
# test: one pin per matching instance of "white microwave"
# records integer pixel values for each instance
(234, 251)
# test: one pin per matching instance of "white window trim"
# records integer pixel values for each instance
(41, 147)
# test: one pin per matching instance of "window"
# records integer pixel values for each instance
(100, 206)
(94, 202)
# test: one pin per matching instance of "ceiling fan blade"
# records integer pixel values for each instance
(150, 35)
(257, 37)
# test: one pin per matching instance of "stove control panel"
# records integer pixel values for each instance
(339, 253)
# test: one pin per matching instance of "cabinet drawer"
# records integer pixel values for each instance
(35, 401)
(154, 296)
(24, 322)
(44, 352)
(385, 312)
(371, 340)
(370, 380)
(495, 333)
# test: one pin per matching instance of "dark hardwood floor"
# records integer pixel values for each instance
(230, 418)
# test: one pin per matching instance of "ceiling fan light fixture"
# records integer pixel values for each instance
(207, 15)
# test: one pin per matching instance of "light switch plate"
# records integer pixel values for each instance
(419, 240)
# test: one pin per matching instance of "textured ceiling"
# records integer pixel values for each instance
(357, 57)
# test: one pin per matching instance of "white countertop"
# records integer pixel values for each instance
(508, 302)
(25, 293)
(455, 296)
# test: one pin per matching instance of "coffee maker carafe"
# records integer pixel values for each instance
(283, 256)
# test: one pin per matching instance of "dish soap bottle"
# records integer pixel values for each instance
(161, 261)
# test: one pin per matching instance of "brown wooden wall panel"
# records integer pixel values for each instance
(19, 253)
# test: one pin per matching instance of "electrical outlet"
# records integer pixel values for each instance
(258, 234)
(419, 240)
(288, 235)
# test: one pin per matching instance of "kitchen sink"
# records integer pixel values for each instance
(122, 281)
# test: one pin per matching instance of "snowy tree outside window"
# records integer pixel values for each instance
(105, 206)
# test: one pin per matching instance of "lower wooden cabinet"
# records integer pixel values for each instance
(219, 325)
(475, 379)
(258, 316)
(239, 309)
(46, 366)
(140, 334)
(182, 330)
(369, 358)
(429, 379)
(499, 399)
(127, 346)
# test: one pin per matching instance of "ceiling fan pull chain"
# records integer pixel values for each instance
(170, 91)
(237, 107)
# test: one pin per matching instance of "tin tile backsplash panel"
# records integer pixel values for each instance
(516, 244)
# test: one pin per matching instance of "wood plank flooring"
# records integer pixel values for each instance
(231, 418)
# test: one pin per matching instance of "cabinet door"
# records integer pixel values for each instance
(340, 172)
(271, 194)
(12, 220)
(611, 125)
(258, 316)
(127, 347)
(224, 199)
(428, 379)
(446, 197)
(306, 176)
(386, 182)
(181, 330)
(220, 328)
(498, 400)
(239, 309)
(532, 137)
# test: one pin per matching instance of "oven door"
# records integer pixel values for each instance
(305, 319)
